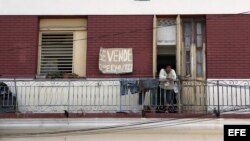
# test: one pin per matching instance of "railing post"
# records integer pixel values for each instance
(120, 106)
(179, 96)
(68, 95)
(218, 97)
(16, 94)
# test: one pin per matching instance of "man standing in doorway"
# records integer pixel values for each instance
(167, 77)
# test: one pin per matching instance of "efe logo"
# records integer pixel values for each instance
(235, 132)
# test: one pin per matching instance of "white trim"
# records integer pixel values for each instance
(121, 7)
(154, 66)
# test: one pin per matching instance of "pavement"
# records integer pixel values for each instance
(113, 129)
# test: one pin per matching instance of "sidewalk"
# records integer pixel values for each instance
(109, 129)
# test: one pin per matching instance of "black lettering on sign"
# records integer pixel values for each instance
(116, 60)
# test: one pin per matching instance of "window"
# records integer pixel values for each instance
(166, 32)
(62, 46)
(193, 47)
(56, 52)
(187, 46)
(199, 49)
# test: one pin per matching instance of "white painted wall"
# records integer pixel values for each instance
(124, 7)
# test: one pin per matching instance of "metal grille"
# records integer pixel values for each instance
(56, 52)
(166, 22)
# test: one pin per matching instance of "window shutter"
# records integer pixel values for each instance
(56, 52)
(187, 33)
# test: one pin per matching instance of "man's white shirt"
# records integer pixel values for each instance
(163, 75)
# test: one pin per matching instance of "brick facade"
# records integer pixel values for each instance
(228, 46)
(118, 32)
(18, 46)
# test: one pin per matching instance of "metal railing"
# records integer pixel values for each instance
(107, 96)
(215, 95)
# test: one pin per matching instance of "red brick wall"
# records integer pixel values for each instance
(134, 32)
(18, 46)
(228, 46)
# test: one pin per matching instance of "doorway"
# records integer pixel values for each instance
(163, 60)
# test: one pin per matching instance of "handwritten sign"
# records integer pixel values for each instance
(116, 60)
